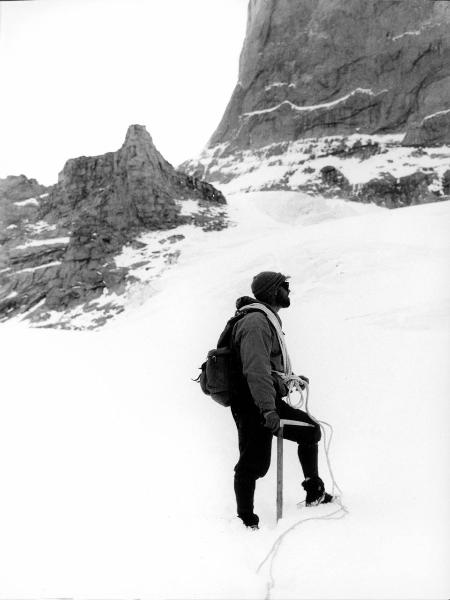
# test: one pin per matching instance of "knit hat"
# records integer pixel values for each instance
(266, 284)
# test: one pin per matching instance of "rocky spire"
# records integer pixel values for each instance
(99, 204)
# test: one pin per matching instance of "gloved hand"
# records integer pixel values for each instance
(272, 420)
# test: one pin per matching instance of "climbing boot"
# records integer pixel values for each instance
(250, 520)
(315, 492)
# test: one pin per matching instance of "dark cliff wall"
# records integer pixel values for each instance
(321, 67)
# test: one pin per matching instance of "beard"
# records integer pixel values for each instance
(282, 298)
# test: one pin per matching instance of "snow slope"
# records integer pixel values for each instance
(117, 473)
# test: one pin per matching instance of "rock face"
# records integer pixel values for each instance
(334, 181)
(343, 98)
(433, 130)
(17, 188)
(62, 253)
(127, 190)
(446, 182)
(325, 67)
(394, 192)
(18, 196)
(385, 190)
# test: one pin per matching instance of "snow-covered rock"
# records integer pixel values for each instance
(352, 167)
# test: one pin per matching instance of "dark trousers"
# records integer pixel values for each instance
(255, 444)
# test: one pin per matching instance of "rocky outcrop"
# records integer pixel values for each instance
(446, 182)
(385, 190)
(17, 188)
(433, 130)
(132, 189)
(324, 67)
(19, 200)
(334, 182)
(63, 254)
(393, 192)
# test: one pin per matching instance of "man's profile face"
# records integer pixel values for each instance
(282, 298)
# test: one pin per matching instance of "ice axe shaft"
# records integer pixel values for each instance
(283, 422)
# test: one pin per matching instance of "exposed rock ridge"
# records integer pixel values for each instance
(325, 67)
(130, 189)
(59, 248)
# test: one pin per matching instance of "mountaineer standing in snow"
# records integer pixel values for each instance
(263, 380)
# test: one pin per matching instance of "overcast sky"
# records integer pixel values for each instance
(75, 73)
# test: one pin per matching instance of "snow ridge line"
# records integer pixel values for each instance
(342, 511)
(312, 107)
(416, 32)
(440, 112)
(44, 266)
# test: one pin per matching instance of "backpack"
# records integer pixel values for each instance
(220, 370)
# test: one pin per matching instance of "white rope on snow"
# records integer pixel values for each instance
(340, 513)
(272, 554)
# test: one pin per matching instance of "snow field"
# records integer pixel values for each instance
(118, 474)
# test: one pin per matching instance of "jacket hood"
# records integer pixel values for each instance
(246, 300)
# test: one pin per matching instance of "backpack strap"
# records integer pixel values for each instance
(226, 336)
(273, 319)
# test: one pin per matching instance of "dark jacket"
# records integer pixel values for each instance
(258, 353)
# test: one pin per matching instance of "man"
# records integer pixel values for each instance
(263, 378)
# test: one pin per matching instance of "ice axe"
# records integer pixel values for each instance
(283, 422)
